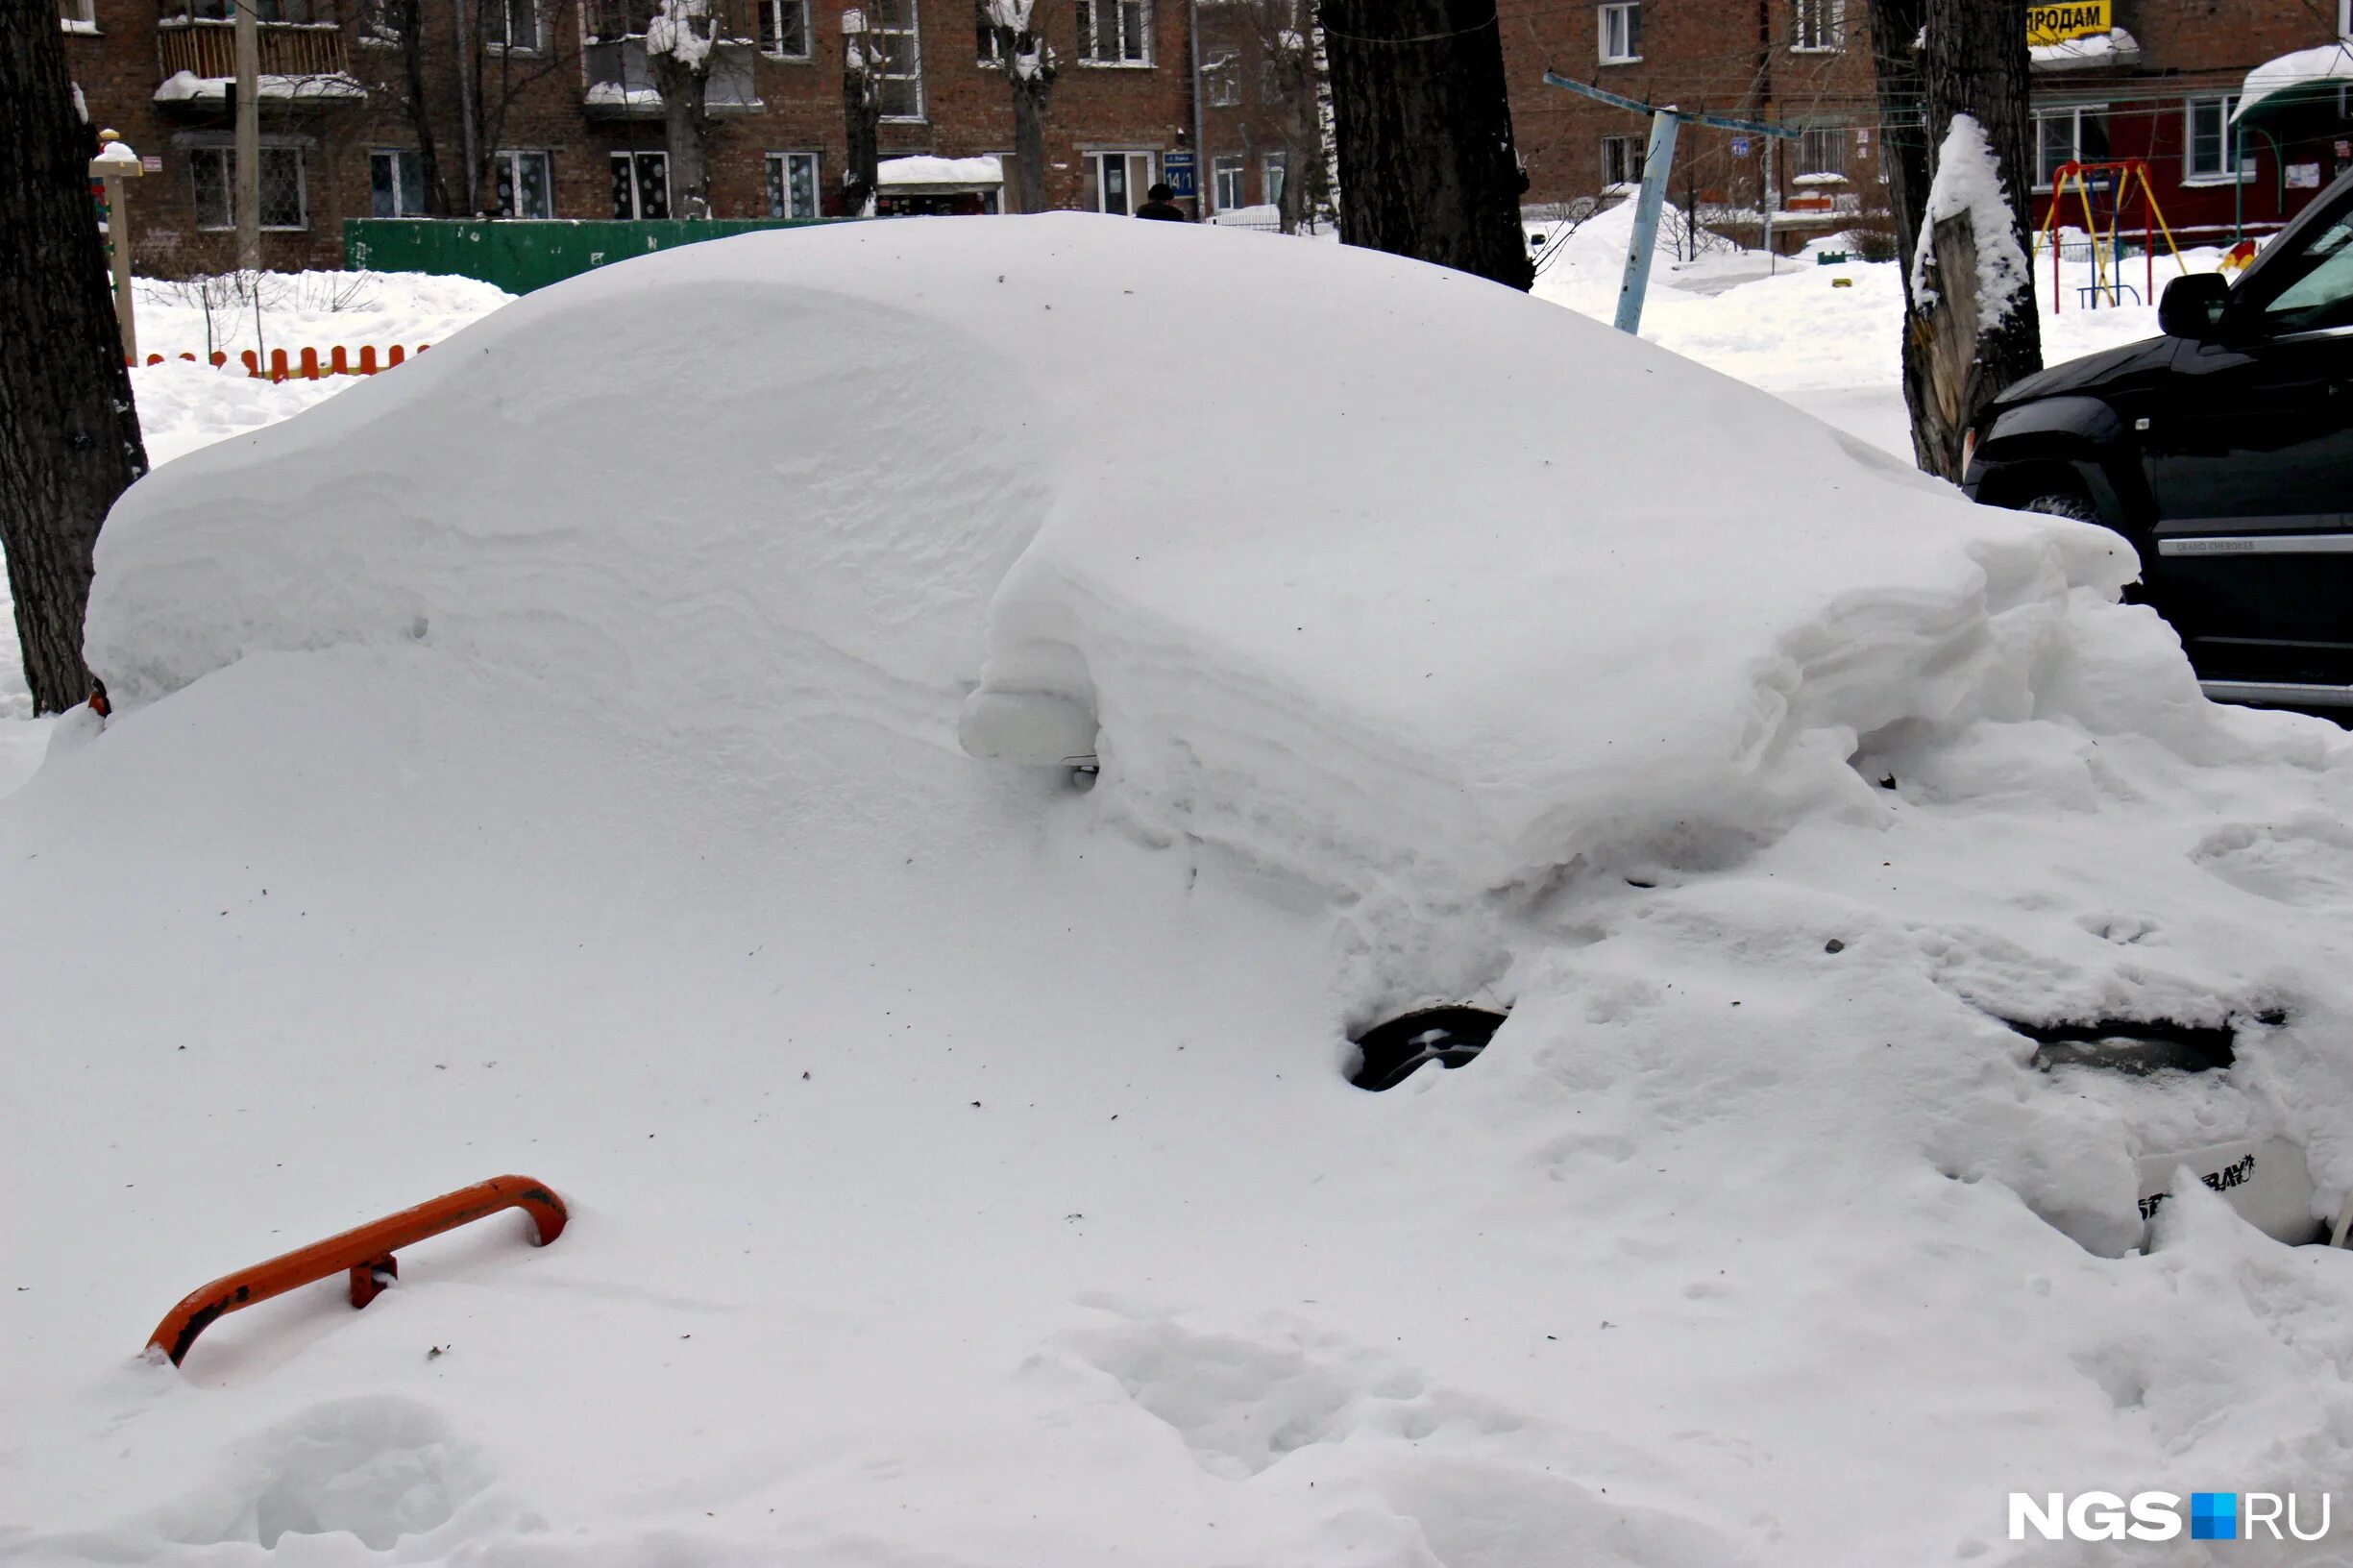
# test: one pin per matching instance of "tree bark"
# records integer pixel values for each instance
(1029, 71)
(686, 120)
(407, 20)
(1424, 133)
(1975, 63)
(862, 122)
(1904, 147)
(69, 438)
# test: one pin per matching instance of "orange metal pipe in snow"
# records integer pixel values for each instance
(366, 1253)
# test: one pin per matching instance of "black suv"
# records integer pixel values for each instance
(2224, 451)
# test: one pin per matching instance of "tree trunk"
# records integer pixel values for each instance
(862, 120)
(1029, 99)
(684, 90)
(1904, 145)
(406, 18)
(1975, 63)
(69, 438)
(1424, 128)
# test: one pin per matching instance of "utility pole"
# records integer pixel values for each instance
(248, 194)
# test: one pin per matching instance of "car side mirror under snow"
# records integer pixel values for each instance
(2192, 304)
(1036, 729)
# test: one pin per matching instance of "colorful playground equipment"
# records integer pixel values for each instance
(2130, 176)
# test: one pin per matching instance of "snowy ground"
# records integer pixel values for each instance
(1831, 349)
(963, 1174)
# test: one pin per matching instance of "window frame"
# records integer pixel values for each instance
(2191, 176)
(776, 177)
(913, 32)
(1238, 166)
(510, 158)
(227, 157)
(763, 10)
(634, 157)
(1222, 81)
(1635, 155)
(1088, 15)
(507, 45)
(84, 23)
(400, 193)
(1828, 16)
(1840, 138)
(1128, 156)
(1274, 174)
(2073, 115)
(1630, 14)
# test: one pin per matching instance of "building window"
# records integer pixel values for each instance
(1821, 25)
(2075, 135)
(1821, 154)
(792, 186)
(1222, 81)
(1228, 173)
(1274, 169)
(77, 17)
(1621, 33)
(784, 29)
(524, 189)
(641, 185)
(2207, 141)
(396, 183)
(899, 56)
(1119, 180)
(1114, 31)
(512, 25)
(285, 190)
(1622, 159)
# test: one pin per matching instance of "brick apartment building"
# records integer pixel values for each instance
(555, 99)
(2159, 85)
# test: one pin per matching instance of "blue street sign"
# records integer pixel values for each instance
(1740, 146)
(1177, 169)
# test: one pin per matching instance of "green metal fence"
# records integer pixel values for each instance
(520, 257)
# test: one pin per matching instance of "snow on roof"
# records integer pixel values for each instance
(962, 173)
(186, 86)
(2305, 69)
(2113, 47)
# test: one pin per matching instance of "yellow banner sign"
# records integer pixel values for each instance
(2076, 20)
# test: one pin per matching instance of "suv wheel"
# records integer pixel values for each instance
(2061, 502)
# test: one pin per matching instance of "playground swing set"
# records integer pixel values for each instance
(2130, 176)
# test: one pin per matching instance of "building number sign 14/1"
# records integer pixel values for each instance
(2058, 23)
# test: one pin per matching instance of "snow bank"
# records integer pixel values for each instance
(546, 758)
(1072, 573)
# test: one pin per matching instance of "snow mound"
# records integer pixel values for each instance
(547, 759)
(1539, 651)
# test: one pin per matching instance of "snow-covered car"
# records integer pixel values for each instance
(2224, 451)
(628, 744)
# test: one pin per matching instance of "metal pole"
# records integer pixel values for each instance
(248, 193)
(1765, 200)
(1201, 146)
(1656, 164)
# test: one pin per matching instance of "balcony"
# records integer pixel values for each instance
(620, 83)
(302, 62)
